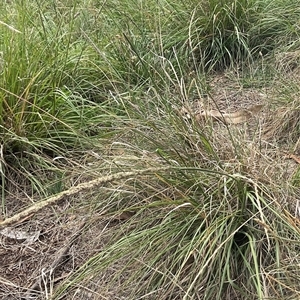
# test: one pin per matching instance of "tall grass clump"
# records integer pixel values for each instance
(275, 26)
(205, 35)
(49, 88)
(209, 227)
(219, 33)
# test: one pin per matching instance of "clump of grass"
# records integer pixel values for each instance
(219, 33)
(211, 228)
(50, 90)
(192, 37)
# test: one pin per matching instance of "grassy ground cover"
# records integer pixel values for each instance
(163, 205)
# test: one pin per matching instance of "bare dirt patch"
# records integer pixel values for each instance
(39, 253)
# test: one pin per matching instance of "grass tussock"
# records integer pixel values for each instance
(92, 89)
(217, 220)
